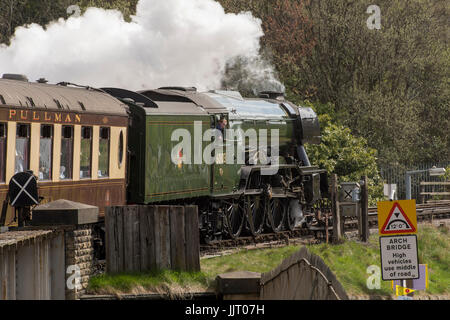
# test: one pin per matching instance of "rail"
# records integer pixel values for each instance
(425, 212)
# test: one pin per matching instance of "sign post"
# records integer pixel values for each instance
(397, 223)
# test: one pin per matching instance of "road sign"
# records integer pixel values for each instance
(399, 257)
(397, 217)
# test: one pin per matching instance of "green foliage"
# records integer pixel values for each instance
(16, 13)
(345, 154)
(127, 7)
(446, 176)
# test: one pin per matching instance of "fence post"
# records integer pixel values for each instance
(192, 239)
(113, 239)
(337, 226)
(177, 238)
(364, 211)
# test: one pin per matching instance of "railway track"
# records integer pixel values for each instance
(425, 213)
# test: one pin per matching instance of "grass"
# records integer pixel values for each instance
(349, 262)
(434, 250)
(166, 281)
(249, 260)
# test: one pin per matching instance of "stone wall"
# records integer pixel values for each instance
(79, 242)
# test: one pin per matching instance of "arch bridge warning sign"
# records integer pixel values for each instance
(397, 217)
(399, 257)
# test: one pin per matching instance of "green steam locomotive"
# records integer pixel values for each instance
(242, 161)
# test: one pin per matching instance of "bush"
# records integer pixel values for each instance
(348, 156)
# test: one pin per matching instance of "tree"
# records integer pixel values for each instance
(16, 13)
(127, 7)
(348, 156)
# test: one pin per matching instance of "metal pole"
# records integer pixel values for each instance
(408, 175)
(408, 185)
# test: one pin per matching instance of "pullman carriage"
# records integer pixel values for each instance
(72, 138)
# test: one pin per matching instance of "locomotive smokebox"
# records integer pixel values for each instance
(309, 128)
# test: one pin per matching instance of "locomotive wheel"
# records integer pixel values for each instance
(290, 219)
(234, 217)
(276, 214)
(255, 214)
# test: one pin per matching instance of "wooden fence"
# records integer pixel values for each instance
(143, 238)
(439, 190)
(32, 265)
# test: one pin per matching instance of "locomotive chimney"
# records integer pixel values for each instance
(274, 95)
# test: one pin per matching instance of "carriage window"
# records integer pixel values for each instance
(2, 151)
(65, 171)
(86, 152)
(103, 157)
(22, 148)
(121, 147)
(45, 152)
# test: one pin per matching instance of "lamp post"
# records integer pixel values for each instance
(433, 172)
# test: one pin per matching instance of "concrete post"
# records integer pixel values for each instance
(337, 226)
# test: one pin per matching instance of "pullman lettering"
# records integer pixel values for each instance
(43, 116)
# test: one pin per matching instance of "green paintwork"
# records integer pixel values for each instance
(155, 178)
(165, 180)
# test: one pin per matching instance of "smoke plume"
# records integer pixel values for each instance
(167, 42)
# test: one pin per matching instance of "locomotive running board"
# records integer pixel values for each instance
(246, 171)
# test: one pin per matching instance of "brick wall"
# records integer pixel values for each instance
(80, 252)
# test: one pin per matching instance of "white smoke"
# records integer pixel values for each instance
(168, 42)
(251, 76)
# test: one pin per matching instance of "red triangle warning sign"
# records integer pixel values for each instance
(397, 221)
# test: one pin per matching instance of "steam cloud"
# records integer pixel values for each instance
(168, 42)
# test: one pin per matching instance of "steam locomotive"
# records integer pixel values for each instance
(171, 145)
